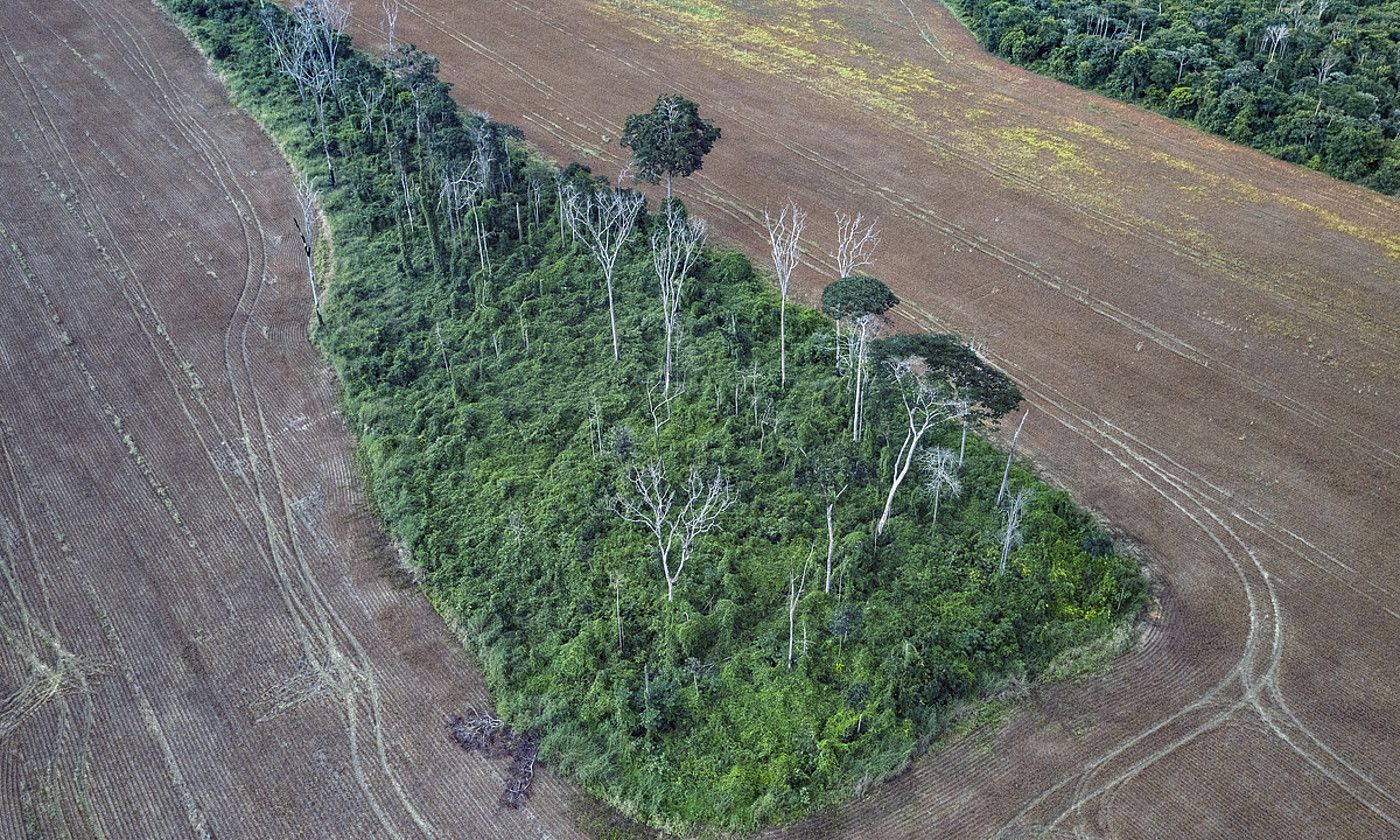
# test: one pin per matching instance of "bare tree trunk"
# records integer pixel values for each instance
(306, 226)
(1006, 473)
(923, 406)
(784, 236)
(795, 588)
(782, 339)
(901, 468)
(604, 223)
(830, 546)
(612, 319)
(1013, 525)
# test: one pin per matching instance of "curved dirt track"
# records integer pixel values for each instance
(1209, 340)
(204, 635)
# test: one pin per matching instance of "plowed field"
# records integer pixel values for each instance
(1209, 340)
(204, 633)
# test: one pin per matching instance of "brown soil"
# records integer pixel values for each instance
(1209, 340)
(203, 632)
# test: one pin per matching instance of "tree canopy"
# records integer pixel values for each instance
(1315, 82)
(857, 295)
(671, 139)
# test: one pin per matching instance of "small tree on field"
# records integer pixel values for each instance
(670, 139)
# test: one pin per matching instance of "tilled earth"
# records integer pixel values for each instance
(204, 632)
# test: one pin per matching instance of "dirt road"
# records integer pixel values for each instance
(1210, 343)
(204, 632)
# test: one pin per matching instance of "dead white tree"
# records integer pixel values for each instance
(461, 193)
(1276, 36)
(370, 102)
(306, 226)
(604, 221)
(485, 149)
(857, 340)
(961, 410)
(855, 243)
(784, 236)
(832, 499)
(305, 49)
(660, 407)
(1006, 473)
(940, 471)
(325, 21)
(654, 507)
(924, 406)
(674, 249)
(1325, 64)
(795, 589)
(1015, 512)
(289, 51)
(391, 22)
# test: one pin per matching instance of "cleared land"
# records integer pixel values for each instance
(1209, 340)
(204, 631)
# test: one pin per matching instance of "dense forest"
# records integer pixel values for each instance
(1315, 82)
(677, 542)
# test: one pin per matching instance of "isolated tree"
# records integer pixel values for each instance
(859, 301)
(924, 406)
(784, 236)
(604, 220)
(651, 501)
(855, 295)
(674, 248)
(306, 226)
(670, 139)
(940, 472)
(856, 241)
(1015, 513)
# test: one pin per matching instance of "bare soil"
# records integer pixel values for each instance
(204, 633)
(1209, 340)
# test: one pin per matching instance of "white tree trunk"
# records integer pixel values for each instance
(830, 545)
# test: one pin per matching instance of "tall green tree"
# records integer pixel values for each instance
(670, 139)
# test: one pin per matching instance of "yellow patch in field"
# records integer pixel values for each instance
(1093, 132)
(1026, 144)
(1332, 221)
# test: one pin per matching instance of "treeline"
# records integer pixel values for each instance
(670, 564)
(1315, 82)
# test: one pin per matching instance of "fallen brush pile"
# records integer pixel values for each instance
(479, 731)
